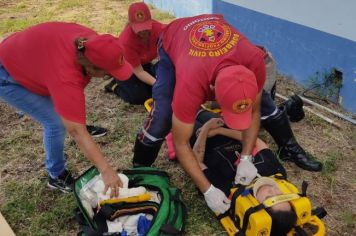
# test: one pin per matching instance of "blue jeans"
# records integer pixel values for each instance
(42, 110)
(159, 122)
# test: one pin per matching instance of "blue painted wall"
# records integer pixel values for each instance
(300, 51)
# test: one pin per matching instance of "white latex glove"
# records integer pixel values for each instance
(216, 200)
(245, 172)
(114, 226)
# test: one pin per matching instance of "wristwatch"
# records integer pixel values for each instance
(246, 157)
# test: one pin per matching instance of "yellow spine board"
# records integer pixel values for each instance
(229, 226)
(315, 221)
(260, 222)
(301, 206)
(215, 110)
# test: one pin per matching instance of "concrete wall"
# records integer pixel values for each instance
(331, 16)
(304, 36)
(183, 8)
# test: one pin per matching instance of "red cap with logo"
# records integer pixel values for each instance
(236, 90)
(140, 17)
(104, 51)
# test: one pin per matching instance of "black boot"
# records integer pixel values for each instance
(289, 150)
(294, 108)
(144, 155)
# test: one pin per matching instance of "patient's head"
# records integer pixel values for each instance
(282, 214)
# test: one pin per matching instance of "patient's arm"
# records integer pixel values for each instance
(214, 127)
(235, 134)
(199, 148)
(199, 145)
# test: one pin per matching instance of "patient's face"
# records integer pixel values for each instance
(267, 191)
(144, 35)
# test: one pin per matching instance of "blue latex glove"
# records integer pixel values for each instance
(143, 225)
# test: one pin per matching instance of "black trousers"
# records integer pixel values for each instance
(221, 154)
(133, 90)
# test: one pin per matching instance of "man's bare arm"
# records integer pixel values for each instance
(249, 135)
(93, 153)
(181, 135)
(143, 75)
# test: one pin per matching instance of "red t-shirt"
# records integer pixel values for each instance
(137, 53)
(199, 47)
(42, 58)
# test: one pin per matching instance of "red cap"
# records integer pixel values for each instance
(140, 17)
(104, 51)
(236, 90)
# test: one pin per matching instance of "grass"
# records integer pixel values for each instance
(349, 218)
(73, 4)
(331, 163)
(330, 167)
(31, 209)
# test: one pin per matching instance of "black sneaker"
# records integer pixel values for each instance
(110, 87)
(96, 131)
(64, 182)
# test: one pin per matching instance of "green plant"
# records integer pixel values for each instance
(325, 85)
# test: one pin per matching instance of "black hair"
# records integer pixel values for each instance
(81, 59)
(282, 221)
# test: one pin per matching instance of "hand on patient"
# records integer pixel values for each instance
(245, 172)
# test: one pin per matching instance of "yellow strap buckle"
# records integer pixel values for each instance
(148, 104)
(280, 198)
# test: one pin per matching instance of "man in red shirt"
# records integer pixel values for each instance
(203, 58)
(139, 43)
(43, 72)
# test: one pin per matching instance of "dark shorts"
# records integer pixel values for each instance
(133, 90)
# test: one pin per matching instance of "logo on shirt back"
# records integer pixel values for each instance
(211, 38)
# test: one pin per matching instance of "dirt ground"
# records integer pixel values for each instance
(22, 154)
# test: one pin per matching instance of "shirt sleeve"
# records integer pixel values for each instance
(69, 100)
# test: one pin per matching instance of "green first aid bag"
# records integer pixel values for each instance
(169, 215)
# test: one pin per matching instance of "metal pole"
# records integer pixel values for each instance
(329, 110)
(314, 112)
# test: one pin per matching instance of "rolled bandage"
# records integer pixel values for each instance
(140, 198)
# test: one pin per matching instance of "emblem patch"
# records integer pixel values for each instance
(241, 106)
(140, 16)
